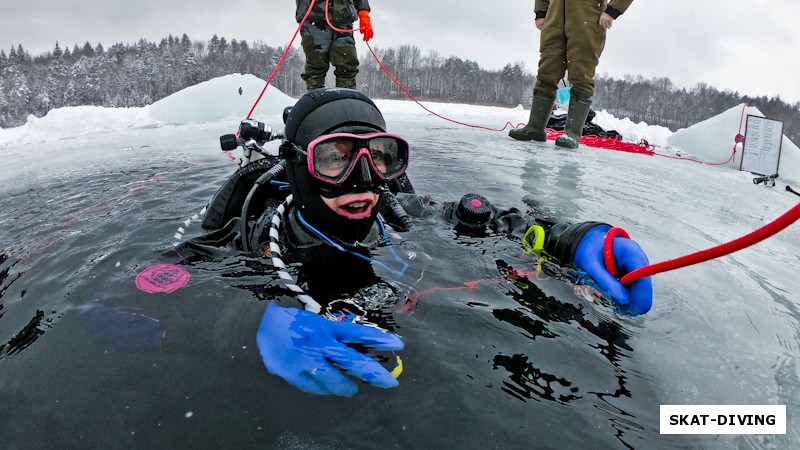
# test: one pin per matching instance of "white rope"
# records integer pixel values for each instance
(178, 236)
(309, 303)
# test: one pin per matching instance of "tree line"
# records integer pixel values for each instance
(135, 75)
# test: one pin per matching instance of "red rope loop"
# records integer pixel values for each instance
(328, 19)
(608, 248)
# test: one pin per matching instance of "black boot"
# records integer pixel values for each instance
(579, 104)
(541, 107)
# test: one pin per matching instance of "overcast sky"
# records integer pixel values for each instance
(750, 46)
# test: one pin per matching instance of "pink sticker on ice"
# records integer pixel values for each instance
(162, 278)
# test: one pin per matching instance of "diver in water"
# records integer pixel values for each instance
(346, 176)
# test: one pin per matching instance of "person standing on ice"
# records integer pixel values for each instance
(324, 46)
(572, 39)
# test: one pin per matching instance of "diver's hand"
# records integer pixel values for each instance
(636, 298)
(309, 351)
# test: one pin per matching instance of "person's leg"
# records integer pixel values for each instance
(316, 44)
(552, 50)
(534, 130)
(552, 64)
(345, 59)
(585, 42)
(579, 105)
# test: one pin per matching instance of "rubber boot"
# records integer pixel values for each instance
(541, 107)
(579, 104)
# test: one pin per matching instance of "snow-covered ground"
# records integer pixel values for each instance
(231, 97)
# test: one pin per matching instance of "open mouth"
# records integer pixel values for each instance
(357, 209)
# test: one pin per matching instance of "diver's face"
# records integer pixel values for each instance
(353, 206)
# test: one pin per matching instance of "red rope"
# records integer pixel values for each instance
(738, 138)
(752, 238)
(400, 85)
(328, 19)
(730, 159)
(591, 140)
(280, 61)
(643, 147)
(473, 285)
(608, 248)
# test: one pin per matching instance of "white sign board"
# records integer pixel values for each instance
(762, 145)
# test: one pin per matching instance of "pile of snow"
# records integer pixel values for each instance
(210, 101)
(224, 98)
(633, 132)
(74, 121)
(713, 141)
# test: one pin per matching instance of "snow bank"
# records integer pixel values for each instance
(224, 98)
(713, 141)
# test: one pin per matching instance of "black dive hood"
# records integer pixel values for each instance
(320, 112)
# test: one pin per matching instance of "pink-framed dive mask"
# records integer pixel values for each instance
(332, 158)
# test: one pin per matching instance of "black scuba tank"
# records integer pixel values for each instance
(229, 199)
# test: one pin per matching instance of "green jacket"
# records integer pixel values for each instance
(614, 8)
(341, 12)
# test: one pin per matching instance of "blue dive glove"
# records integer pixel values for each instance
(581, 245)
(309, 351)
(636, 298)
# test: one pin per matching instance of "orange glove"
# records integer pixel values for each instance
(364, 24)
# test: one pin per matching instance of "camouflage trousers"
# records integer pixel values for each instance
(324, 47)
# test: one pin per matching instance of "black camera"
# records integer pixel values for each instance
(255, 130)
(768, 180)
(249, 130)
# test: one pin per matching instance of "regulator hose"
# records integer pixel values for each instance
(278, 169)
(394, 213)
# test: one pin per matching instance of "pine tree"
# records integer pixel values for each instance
(87, 50)
(57, 53)
(22, 55)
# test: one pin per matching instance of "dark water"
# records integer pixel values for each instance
(492, 360)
